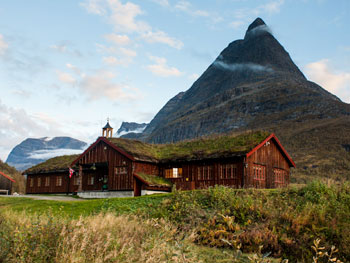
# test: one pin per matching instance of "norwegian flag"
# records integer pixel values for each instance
(71, 171)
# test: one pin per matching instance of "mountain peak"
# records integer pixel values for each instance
(257, 22)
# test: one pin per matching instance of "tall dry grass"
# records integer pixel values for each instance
(99, 238)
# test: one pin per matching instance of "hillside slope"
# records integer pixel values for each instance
(254, 84)
(33, 151)
(19, 185)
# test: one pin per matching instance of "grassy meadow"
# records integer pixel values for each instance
(220, 224)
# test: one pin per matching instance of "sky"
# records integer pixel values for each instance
(66, 66)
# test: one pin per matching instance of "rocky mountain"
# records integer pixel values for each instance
(129, 128)
(254, 84)
(33, 151)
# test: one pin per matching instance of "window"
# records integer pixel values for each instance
(228, 171)
(173, 173)
(39, 182)
(91, 180)
(121, 170)
(259, 172)
(205, 172)
(59, 181)
(76, 180)
(279, 176)
(47, 181)
(31, 182)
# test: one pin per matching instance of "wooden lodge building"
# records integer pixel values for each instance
(6, 182)
(123, 167)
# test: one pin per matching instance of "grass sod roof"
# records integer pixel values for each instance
(154, 180)
(204, 148)
(53, 164)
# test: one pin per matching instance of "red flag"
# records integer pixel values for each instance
(71, 171)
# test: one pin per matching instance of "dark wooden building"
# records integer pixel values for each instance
(52, 176)
(6, 183)
(123, 167)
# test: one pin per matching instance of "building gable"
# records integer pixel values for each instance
(279, 145)
(107, 144)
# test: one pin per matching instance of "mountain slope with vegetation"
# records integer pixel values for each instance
(254, 84)
(20, 184)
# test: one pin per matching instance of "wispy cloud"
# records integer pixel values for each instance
(160, 68)
(162, 37)
(242, 66)
(187, 7)
(125, 20)
(16, 124)
(335, 82)
(65, 77)
(47, 154)
(164, 3)
(118, 39)
(66, 48)
(100, 84)
(245, 15)
(3, 45)
(116, 55)
(113, 61)
(193, 76)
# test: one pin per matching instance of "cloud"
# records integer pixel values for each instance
(97, 7)
(337, 83)
(246, 15)
(65, 77)
(124, 19)
(193, 76)
(113, 61)
(22, 59)
(47, 154)
(22, 93)
(128, 52)
(99, 84)
(236, 24)
(75, 69)
(164, 3)
(187, 8)
(272, 7)
(118, 39)
(162, 69)
(102, 85)
(162, 37)
(66, 48)
(242, 66)
(16, 124)
(3, 45)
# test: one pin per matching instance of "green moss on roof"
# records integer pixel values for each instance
(154, 180)
(53, 164)
(208, 147)
(8, 170)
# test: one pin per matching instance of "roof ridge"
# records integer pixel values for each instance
(8, 177)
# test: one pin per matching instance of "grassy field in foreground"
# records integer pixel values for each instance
(193, 226)
(75, 209)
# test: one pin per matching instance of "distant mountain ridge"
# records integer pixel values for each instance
(254, 84)
(33, 151)
(128, 128)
